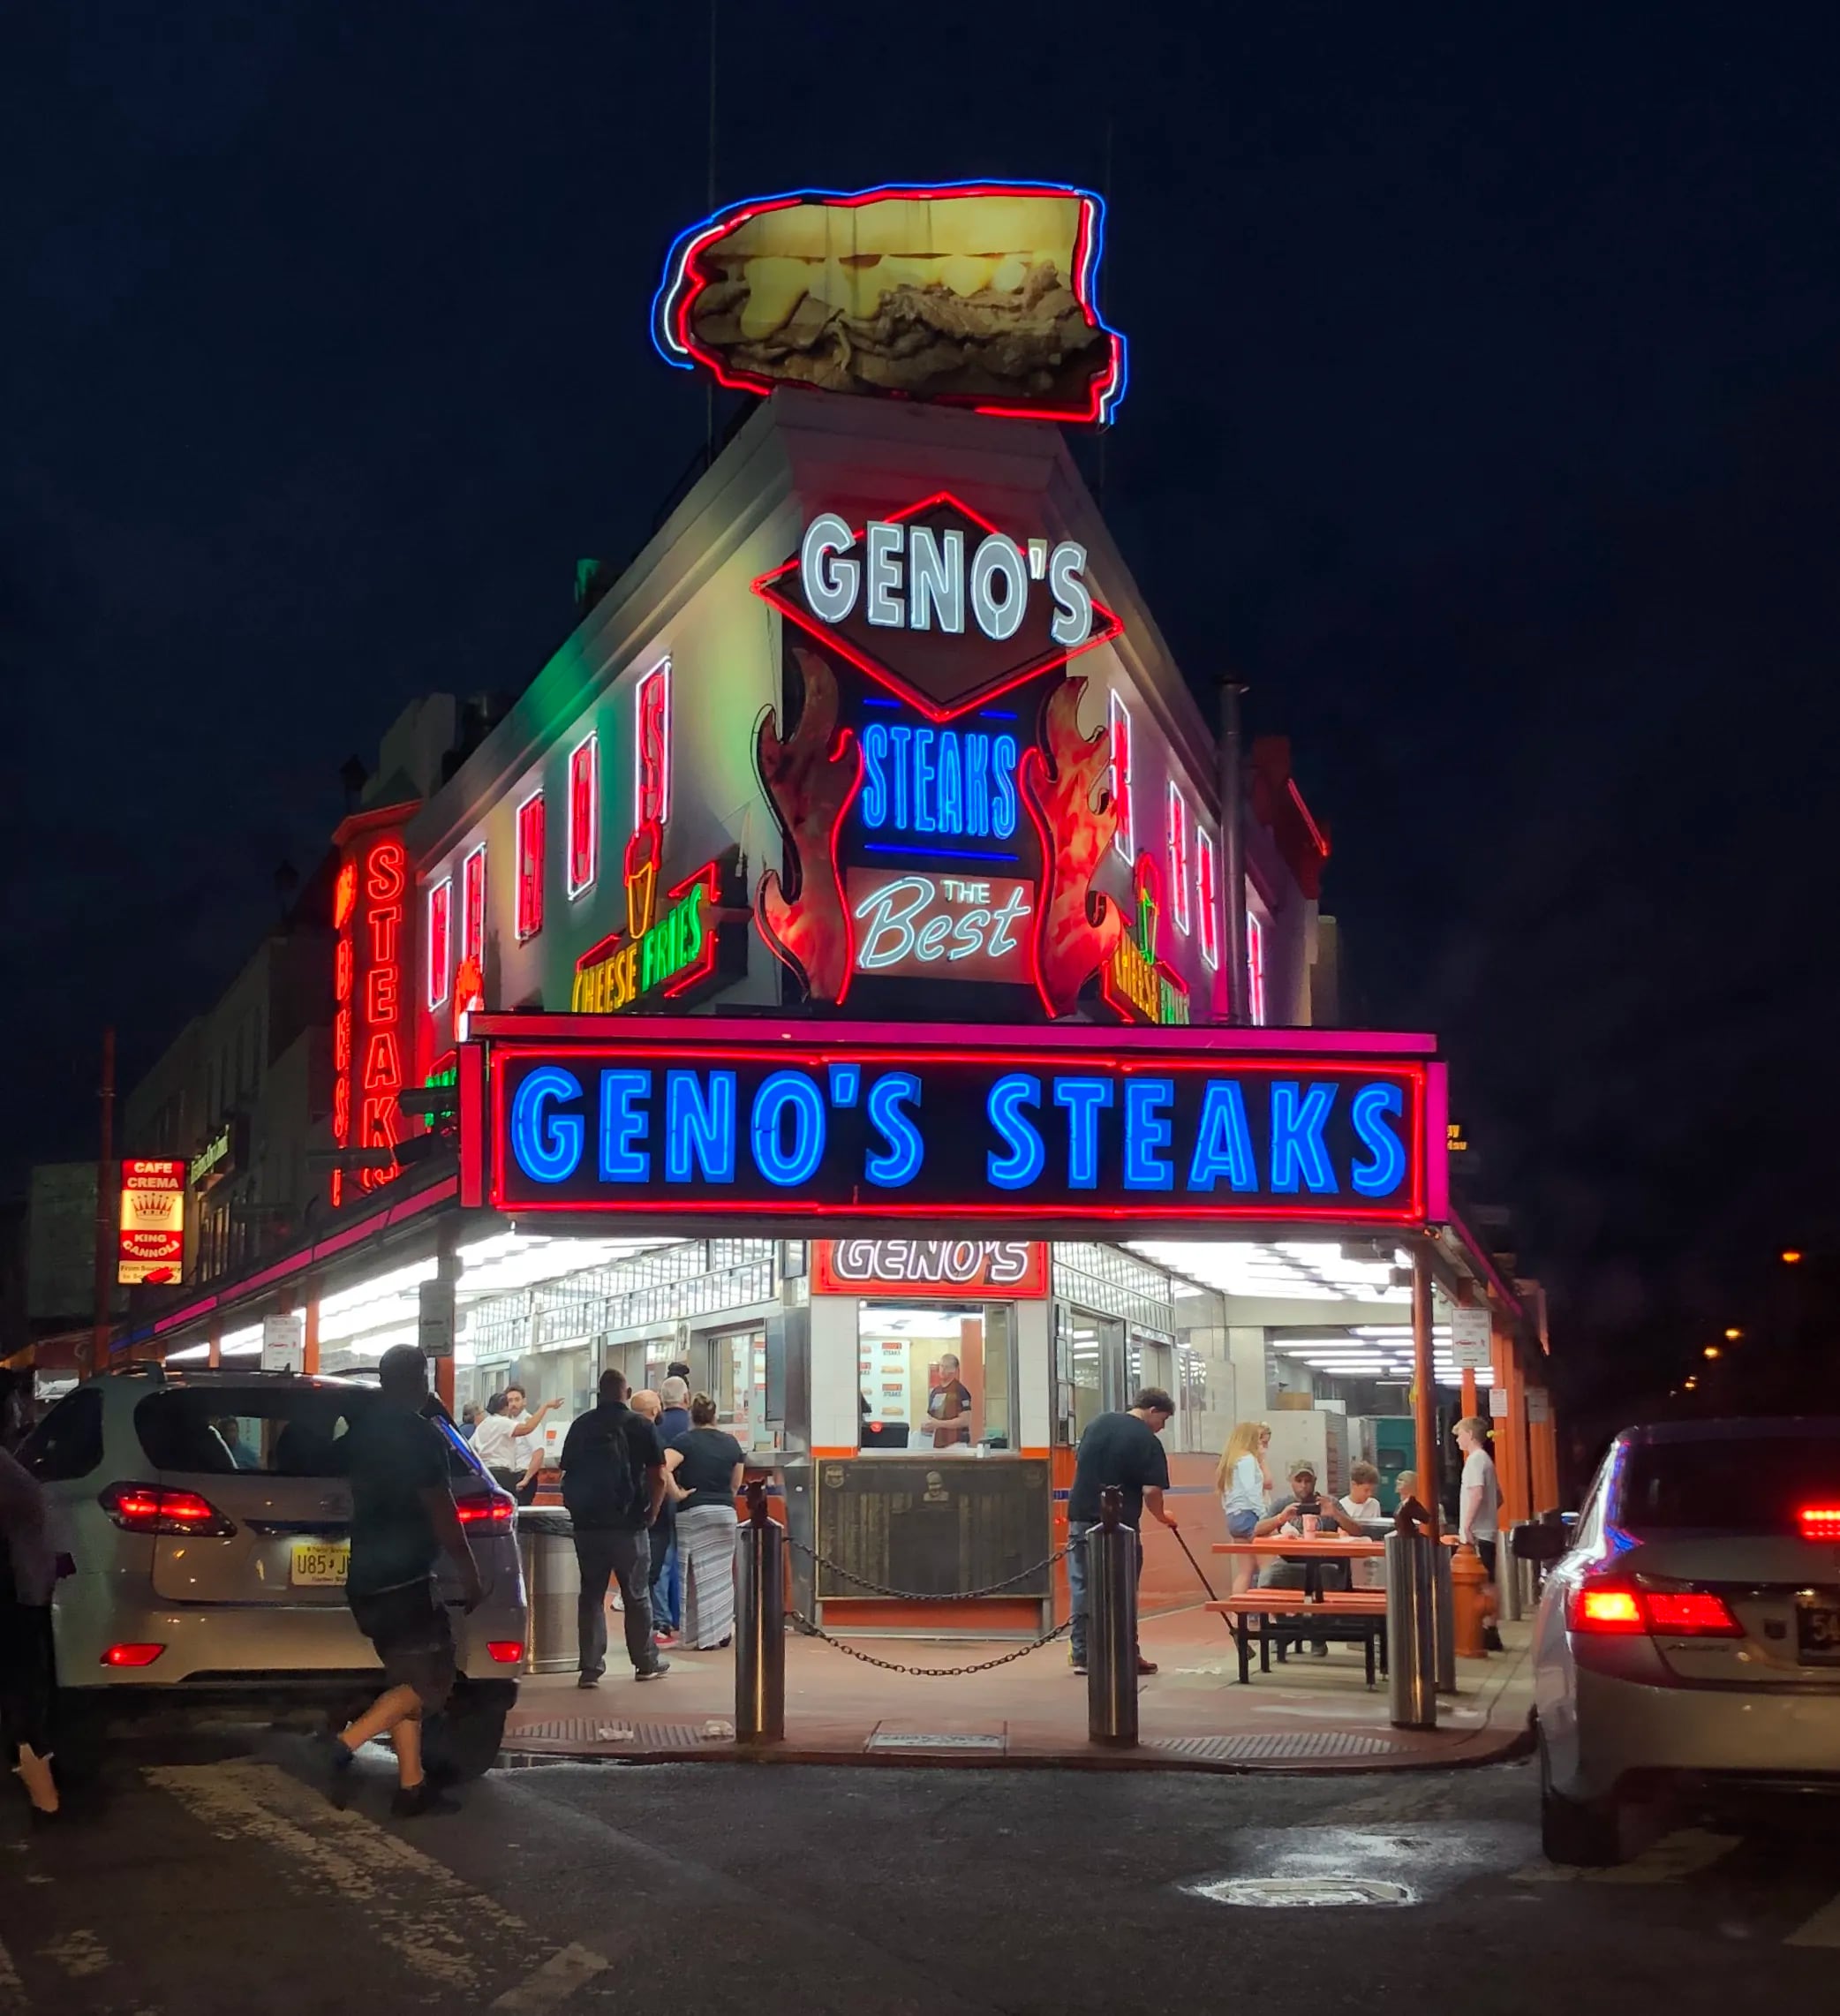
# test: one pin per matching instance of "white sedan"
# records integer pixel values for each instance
(1689, 1642)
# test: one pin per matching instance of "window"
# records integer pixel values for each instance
(530, 865)
(1741, 1483)
(68, 1442)
(652, 747)
(1254, 968)
(584, 814)
(472, 904)
(1179, 857)
(1124, 839)
(274, 1431)
(939, 1378)
(441, 941)
(1207, 900)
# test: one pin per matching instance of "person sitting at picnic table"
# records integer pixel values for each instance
(1294, 1571)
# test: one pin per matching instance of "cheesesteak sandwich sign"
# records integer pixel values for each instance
(765, 1121)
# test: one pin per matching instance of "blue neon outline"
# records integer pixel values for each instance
(906, 1153)
(1025, 1161)
(707, 1137)
(619, 1158)
(846, 1083)
(795, 1089)
(1146, 1135)
(544, 1087)
(1081, 1176)
(1381, 1176)
(1306, 1157)
(672, 278)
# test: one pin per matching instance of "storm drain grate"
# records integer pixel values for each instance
(1291, 1744)
(593, 1729)
(930, 1740)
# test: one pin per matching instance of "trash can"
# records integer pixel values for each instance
(551, 1582)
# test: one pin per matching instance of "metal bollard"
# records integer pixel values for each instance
(1112, 1627)
(1444, 1621)
(1507, 1578)
(1411, 1646)
(760, 1626)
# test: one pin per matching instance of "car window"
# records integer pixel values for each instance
(274, 1431)
(68, 1442)
(1743, 1484)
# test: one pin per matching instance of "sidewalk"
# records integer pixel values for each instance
(1309, 1715)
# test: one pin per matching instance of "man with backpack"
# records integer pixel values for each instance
(612, 1483)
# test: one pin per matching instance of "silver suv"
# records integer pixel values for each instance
(209, 1521)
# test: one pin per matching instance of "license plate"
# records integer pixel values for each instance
(1817, 1634)
(321, 1564)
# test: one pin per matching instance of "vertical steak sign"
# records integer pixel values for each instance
(372, 985)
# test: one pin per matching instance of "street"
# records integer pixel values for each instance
(219, 1876)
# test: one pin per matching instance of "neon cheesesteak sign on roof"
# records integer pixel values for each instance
(976, 294)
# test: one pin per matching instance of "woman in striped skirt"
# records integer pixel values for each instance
(705, 1467)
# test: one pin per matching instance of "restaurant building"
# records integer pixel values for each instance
(834, 973)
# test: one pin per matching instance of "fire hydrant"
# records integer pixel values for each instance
(1469, 1584)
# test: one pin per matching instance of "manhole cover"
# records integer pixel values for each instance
(1301, 1892)
(589, 1729)
(932, 1740)
(1283, 1746)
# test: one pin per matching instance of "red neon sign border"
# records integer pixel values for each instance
(1103, 631)
(662, 1049)
(826, 1280)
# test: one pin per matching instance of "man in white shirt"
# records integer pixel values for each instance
(501, 1441)
(1478, 1520)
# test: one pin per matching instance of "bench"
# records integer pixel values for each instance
(1347, 1615)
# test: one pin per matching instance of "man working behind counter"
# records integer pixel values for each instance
(1121, 1449)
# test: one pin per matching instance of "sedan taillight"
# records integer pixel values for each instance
(1615, 1607)
(150, 1508)
(497, 1510)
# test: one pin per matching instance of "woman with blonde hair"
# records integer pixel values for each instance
(1244, 1484)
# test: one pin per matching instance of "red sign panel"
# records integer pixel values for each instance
(939, 1270)
(153, 1223)
(370, 1038)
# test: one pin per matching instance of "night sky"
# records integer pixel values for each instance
(1484, 414)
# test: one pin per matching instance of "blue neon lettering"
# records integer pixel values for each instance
(900, 1162)
(1083, 1097)
(621, 1161)
(923, 821)
(1003, 778)
(1223, 1142)
(899, 736)
(783, 1092)
(547, 1145)
(1297, 1149)
(875, 788)
(951, 809)
(846, 1083)
(977, 786)
(699, 1127)
(1383, 1175)
(1016, 1170)
(1147, 1133)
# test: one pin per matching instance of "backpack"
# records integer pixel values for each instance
(600, 1479)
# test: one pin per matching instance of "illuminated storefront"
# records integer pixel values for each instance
(828, 953)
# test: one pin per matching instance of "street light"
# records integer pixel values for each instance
(1712, 1351)
(1791, 1256)
(1731, 1336)
(1690, 1384)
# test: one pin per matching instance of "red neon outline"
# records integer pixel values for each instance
(439, 971)
(676, 317)
(1412, 1076)
(847, 739)
(661, 670)
(1048, 862)
(468, 949)
(591, 821)
(1124, 834)
(1175, 837)
(1207, 899)
(1105, 628)
(826, 1280)
(1437, 1149)
(471, 1109)
(764, 1033)
(1254, 967)
(527, 887)
(1316, 832)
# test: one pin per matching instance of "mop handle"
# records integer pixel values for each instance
(1195, 1565)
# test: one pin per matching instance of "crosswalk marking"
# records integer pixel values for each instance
(434, 1923)
(557, 1979)
(1822, 1929)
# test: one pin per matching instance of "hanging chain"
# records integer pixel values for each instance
(913, 1596)
(804, 1626)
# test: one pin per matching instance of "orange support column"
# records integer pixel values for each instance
(1424, 1390)
(1508, 1469)
(310, 1332)
(216, 1354)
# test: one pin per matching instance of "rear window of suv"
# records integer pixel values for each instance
(273, 1431)
(1754, 1484)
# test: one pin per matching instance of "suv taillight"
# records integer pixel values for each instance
(1615, 1607)
(1820, 1521)
(150, 1508)
(497, 1510)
